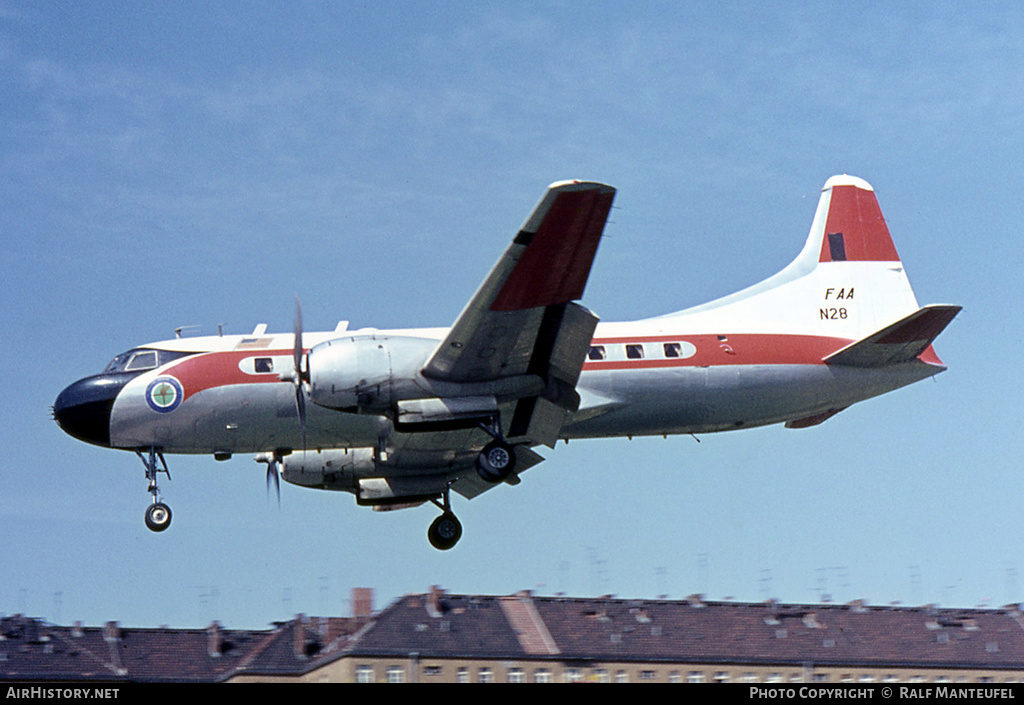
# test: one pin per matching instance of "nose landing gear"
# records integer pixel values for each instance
(158, 514)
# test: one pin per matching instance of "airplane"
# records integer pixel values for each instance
(399, 418)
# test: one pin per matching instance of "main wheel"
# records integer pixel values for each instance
(444, 532)
(496, 461)
(158, 517)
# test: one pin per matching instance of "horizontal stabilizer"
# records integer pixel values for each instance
(902, 341)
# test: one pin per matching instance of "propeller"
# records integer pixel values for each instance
(297, 375)
(273, 474)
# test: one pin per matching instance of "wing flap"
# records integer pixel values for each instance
(471, 485)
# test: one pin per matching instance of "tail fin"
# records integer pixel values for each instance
(855, 230)
(847, 282)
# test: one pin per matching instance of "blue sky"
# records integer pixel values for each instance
(197, 164)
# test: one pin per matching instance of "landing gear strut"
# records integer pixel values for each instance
(158, 514)
(446, 530)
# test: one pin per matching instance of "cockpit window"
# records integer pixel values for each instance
(142, 359)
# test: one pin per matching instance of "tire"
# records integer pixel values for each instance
(158, 517)
(444, 532)
(496, 462)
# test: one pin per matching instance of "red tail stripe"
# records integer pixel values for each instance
(854, 212)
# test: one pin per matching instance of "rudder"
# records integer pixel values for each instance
(855, 229)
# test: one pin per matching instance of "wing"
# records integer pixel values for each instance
(521, 328)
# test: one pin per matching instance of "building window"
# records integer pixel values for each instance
(364, 674)
(621, 677)
(695, 677)
(485, 675)
(396, 674)
(573, 675)
(516, 675)
(601, 676)
(432, 671)
(462, 676)
(748, 677)
(648, 675)
(720, 677)
(542, 675)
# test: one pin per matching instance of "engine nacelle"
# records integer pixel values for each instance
(357, 470)
(333, 469)
(367, 373)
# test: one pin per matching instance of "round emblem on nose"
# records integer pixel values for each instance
(164, 394)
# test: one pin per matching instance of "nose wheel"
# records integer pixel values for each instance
(158, 514)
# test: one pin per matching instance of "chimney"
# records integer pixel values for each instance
(111, 632)
(214, 640)
(362, 602)
(299, 636)
(434, 607)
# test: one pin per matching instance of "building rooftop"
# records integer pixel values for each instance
(525, 627)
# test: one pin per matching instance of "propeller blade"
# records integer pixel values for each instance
(297, 354)
(300, 397)
(300, 405)
(273, 476)
(273, 479)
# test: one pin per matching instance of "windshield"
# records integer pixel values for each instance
(141, 359)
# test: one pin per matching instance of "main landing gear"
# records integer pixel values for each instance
(158, 514)
(446, 530)
(498, 459)
(494, 464)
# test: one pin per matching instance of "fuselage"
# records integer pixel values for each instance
(224, 394)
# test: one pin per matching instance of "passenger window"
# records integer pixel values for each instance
(596, 353)
(673, 350)
(264, 364)
(635, 352)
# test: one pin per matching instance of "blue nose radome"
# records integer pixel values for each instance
(83, 409)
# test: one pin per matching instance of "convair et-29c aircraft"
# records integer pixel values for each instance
(403, 417)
